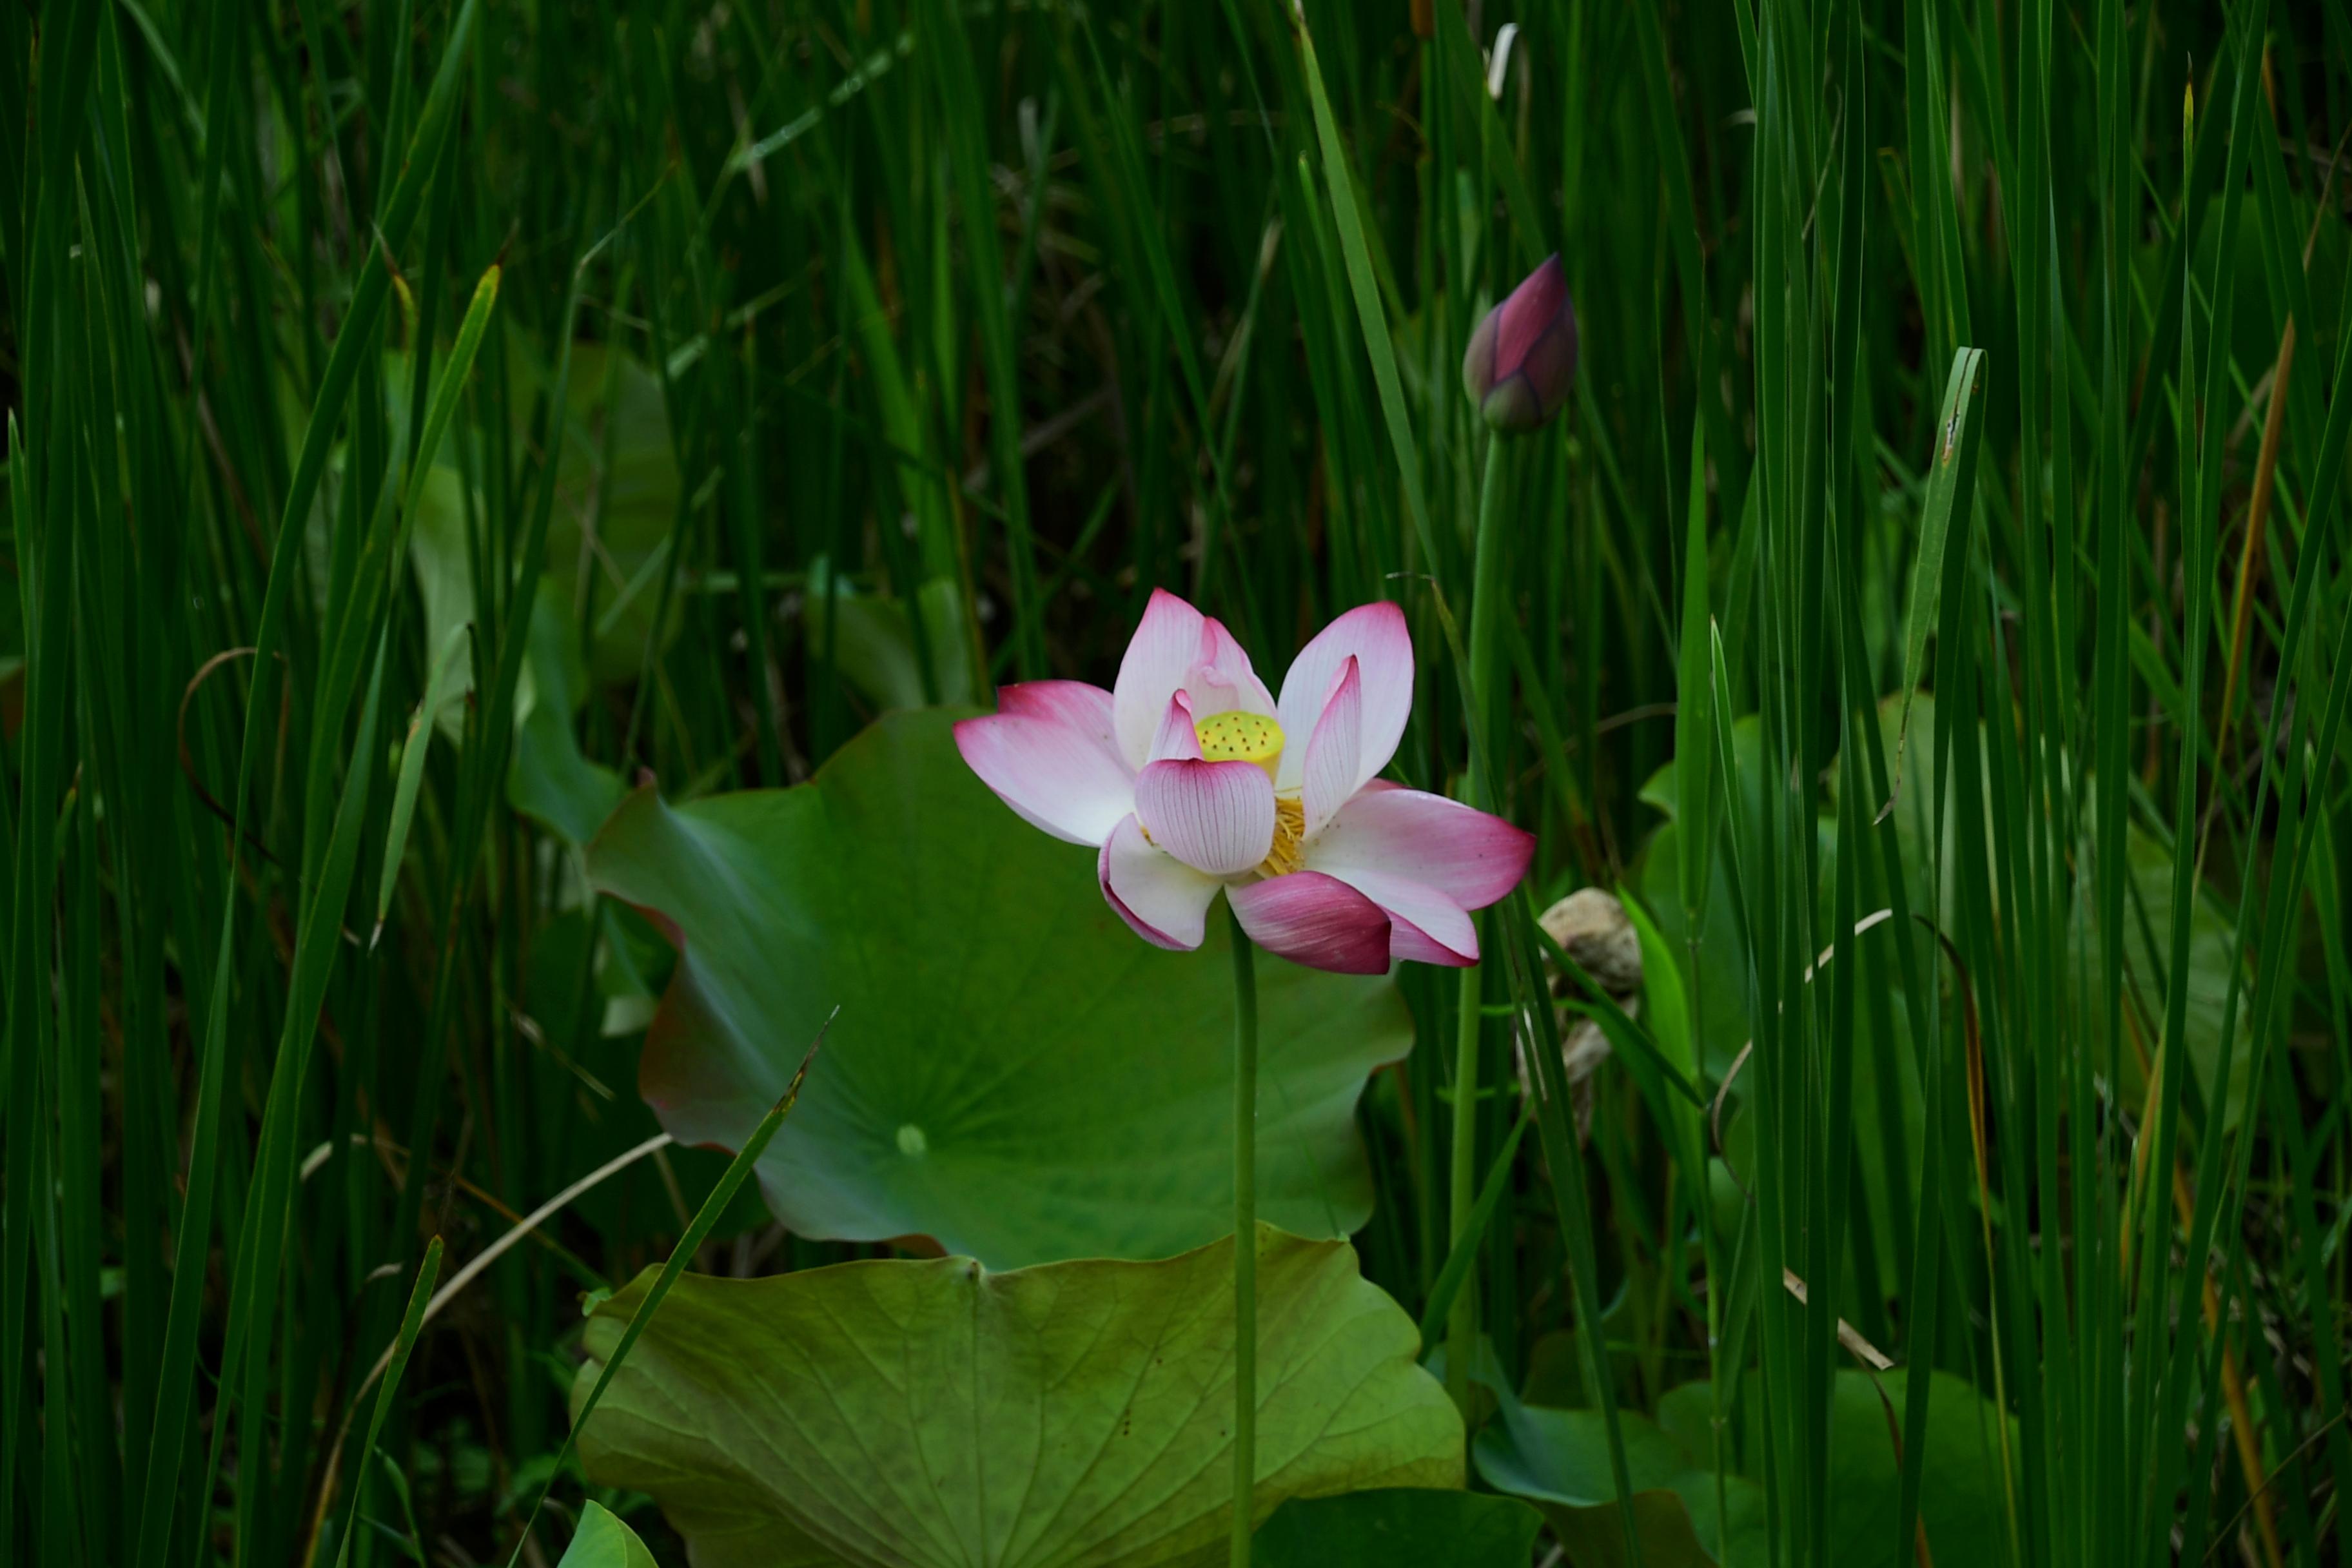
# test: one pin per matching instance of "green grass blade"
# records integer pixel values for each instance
(411, 1321)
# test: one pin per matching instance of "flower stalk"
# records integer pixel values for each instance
(1245, 1239)
(1489, 589)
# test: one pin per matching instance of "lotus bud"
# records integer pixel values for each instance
(1523, 355)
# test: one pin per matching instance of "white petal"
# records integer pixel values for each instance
(1329, 772)
(1177, 737)
(1048, 760)
(1165, 900)
(1376, 634)
(1471, 858)
(1166, 644)
(1223, 680)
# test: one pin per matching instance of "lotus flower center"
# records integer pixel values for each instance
(1239, 737)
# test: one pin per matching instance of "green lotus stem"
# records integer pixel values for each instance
(1488, 590)
(1245, 1239)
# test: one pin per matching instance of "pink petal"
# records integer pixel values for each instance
(1177, 736)
(1411, 944)
(1334, 748)
(1222, 680)
(1164, 899)
(1471, 858)
(1534, 308)
(1072, 702)
(1217, 817)
(1429, 926)
(1166, 646)
(1376, 636)
(1049, 759)
(1316, 920)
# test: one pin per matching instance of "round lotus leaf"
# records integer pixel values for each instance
(934, 1414)
(1013, 1073)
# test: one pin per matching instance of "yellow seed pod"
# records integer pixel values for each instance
(1239, 737)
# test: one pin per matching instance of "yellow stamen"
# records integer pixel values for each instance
(1239, 737)
(1289, 828)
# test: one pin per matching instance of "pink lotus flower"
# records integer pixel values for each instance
(1189, 778)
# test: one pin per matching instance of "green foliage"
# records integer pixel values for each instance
(914, 1413)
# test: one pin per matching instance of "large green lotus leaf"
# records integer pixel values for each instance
(603, 1541)
(1558, 1461)
(934, 1414)
(1960, 1501)
(1399, 1527)
(1012, 1072)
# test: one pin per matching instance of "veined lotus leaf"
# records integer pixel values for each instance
(932, 1414)
(1399, 1527)
(1013, 1073)
(603, 1541)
